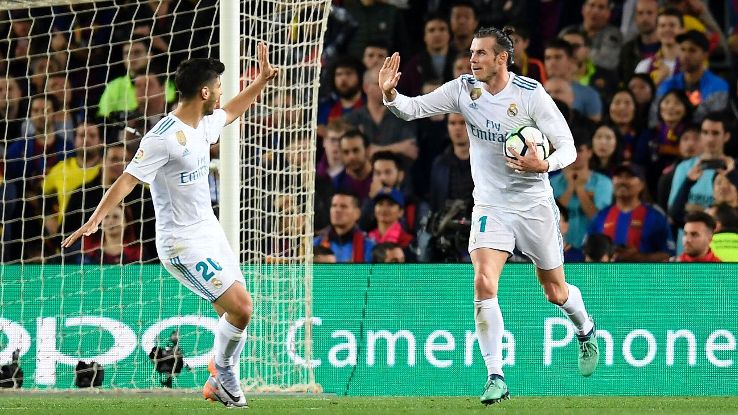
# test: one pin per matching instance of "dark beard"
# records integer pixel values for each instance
(348, 93)
(208, 108)
(355, 167)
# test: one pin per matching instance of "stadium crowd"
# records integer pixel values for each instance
(647, 88)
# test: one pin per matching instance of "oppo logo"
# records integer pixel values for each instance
(125, 341)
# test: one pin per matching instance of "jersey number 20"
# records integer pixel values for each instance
(202, 267)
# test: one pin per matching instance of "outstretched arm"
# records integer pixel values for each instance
(120, 189)
(443, 100)
(241, 102)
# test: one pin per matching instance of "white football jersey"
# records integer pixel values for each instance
(174, 159)
(489, 119)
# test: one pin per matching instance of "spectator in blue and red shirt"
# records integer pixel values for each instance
(640, 231)
(343, 237)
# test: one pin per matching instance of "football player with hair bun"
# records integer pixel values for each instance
(513, 200)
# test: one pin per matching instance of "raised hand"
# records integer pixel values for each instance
(695, 172)
(389, 76)
(729, 164)
(266, 71)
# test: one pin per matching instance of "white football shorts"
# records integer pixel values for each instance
(535, 232)
(203, 261)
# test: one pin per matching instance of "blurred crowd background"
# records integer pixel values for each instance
(648, 88)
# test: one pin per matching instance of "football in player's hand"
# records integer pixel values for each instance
(517, 138)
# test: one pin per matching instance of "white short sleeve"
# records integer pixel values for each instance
(152, 154)
(214, 125)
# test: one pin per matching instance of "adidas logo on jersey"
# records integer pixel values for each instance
(473, 105)
(186, 153)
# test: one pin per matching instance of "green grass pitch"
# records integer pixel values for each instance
(146, 403)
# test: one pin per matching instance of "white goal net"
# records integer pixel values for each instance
(82, 82)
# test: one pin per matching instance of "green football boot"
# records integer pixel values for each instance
(589, 352)
(495, 390)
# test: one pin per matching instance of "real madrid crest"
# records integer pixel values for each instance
(182, 139)
(139, 155)
(512, 110)
(475, 93)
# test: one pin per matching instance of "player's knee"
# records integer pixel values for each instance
(485, 285)
(555, 293)
(245, 310)
(241, 310)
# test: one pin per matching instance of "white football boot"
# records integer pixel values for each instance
(223, 386)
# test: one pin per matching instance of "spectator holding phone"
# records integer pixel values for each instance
(681, 206)
(692, 185)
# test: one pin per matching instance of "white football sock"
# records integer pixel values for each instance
(490, 327)
(237, 354)
(574, 309)
(227, 338)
